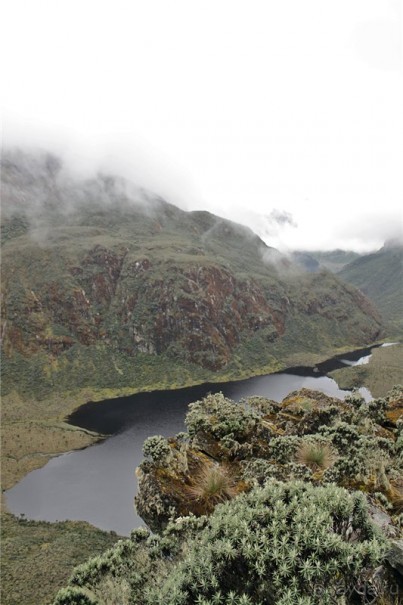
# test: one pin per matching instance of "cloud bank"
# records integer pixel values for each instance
(247, 111)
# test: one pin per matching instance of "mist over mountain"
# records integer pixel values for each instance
(197, 193)
(108, 286)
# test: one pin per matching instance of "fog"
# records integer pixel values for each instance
(46, 190)
(285, 117)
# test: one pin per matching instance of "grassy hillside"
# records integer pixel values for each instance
(37, 557)
(380, 277)
(105, 287)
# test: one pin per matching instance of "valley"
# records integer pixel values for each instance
(109, 291)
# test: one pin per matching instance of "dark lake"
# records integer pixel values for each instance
(98, 484)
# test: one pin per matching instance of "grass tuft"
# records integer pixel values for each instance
(315, 456)
(210, 486)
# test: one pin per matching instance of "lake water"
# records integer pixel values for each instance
(98, 484)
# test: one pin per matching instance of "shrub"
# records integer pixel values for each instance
(140, 534)
(73, 596)
(282, 449)
(258, 470)
(344, 436)
(355, 399)
(284, 543)
(156, 448)
(377, 408)
(220, 417)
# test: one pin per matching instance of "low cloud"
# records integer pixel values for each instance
(42, 189)
(369, 231)
(270, 227)
(281, 218)
(38, 183)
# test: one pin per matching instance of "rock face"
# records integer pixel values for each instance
(105, 286)
(395, 558)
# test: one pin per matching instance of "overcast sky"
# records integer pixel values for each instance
(282, 114)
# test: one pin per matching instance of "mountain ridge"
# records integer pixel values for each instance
(99, 290)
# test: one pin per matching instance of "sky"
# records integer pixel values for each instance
(280, 114)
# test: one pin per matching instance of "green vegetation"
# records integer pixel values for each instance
(378, 275)
(210, 485)
(29, 445)
(315, 456)
(231, 449)
(156, 449)
(112, 291)
(334, 260)
(310, 436)
(37, 557)
(281, 543)
(108, 292)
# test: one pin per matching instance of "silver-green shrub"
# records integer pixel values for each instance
(157, 449)
(281, 543)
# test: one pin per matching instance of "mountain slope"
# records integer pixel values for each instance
(380, 277)
(107, 287)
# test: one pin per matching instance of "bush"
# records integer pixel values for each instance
(355, 399)
(220, 417)
(284, 543)
(283, 449)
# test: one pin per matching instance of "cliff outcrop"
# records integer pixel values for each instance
(230, 447)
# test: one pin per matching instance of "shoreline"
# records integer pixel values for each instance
(77, 401)
(98, 396)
